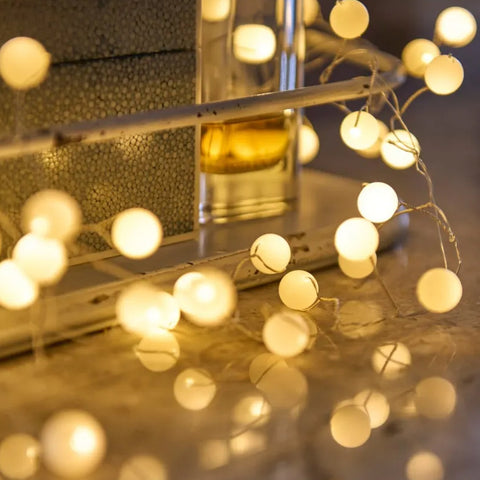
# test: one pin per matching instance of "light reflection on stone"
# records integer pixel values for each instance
(391, 359)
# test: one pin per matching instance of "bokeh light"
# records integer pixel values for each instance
(194, 389)
(298, 290)
(456, 27)
(270, 253)
(444, 75)
(439, 290)
(391, 359)
(349, 18)
(377, 202)
(400, 149)
(356, 239)
(158, 351)
(417, 54)
(254, 44)
(435, 397)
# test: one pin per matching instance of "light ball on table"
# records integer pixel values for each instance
(417, 54)
(377, 202)
(357, 268)
(254, 43)
(19, 456)
(376, 406)
(350, 426)
(349, 19)
(194, 389)
(400, 149)
(158, 351)
(435, 397)
(456, 27)
(359, 130)
(444, 75)
(17, 289)
(424, 466)
(391, 359)
(270, 253)
(298, 290)
(439, 290)
(356, 239)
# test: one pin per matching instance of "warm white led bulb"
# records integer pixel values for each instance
(73, 444)
(377, 202)
(350, 426)
(270, 253)
(357, 268)
(136, 233)
(417, 54)
(286, 334)
(158, 351)
(435, 397)
(143, 467)
(444, 75)
(194, 389)
(298, 290)
(53, 214)
(19, 455)
(215, 10)
(439, 290)
(308, 144)
(254, 43)
(43, 259)
(391, 359)
(456, 27)
(400, 149)
(376, 405)
(356, 239)
(349, 18)
(24, 63)
(374, 150)
(17, 289)
(251, 411)
(263, 363)
(359, 130)
(424, 466)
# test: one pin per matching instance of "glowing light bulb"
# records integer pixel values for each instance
(158, 351)
(350, 426)
(311, 9)
(444, 75)
(356, 239)
(377, 202)
(73, 444)
(215, 10)
(44, 260)
(207, 297)
(374, 150)
(359, 319)
(359, 130)
(194, 389)
(417, 54)
(53, 214)
(286, 334)
(248, 443)
(424, 466)
(391, 359)
(456, 27)
(357, 268)
(19, 455)
(435, 398)
(349, 18)
(439, 290)
(136, 233)
(251, 411)
(376, 405)
(262, 364)
(270, 253)
(254, 44)
(308, 144)
(298, 290)
(17, 289)
(143, 467)
(400, 149)
(24, 63)
(213, 454)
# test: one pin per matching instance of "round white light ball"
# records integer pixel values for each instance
(357, 268)
(376, 405)
(270, 253)
(251, 411)
(254, 44)
(24, 63)
(400, 149)
(298, 290)
(456, 27)
(73, 444)
(435, 398)
(359, 130)
(17, 289)
(308, 144)
(356, 239)
(439, 290)
(263, 363)
(43, 259)
(136, 233)
(143, 467)
(417, 54)
(391, 359)
(213, 454)
(53, 214)
(374, 150)
(444, 75)
(359, 319)
(19, 455)
(194, 389)
(377, 202)
(350, 426)
(215, 10)
(286, 334)
(158, 351)
(349, 18)
(424, 466)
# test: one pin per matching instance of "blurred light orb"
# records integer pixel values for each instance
(424, 466)
(374, 150)
(391, 359)
(444, 75)
(357, 268)
(359, 319)
(19, 455)
(376, 405)
(158, 351)
(350, 426)
(24, 63)
(298, 290)
(286, 334)
(270, 253)
(377, 202)
(53, 214)
(359, 130)
(356, 239)
(73, 444)
(136, 233)
(311, 9)
(43, 259)
(207, 297)
(435, 397)
(400, 149)
(417, 54)
(308, 144)
(262, 364)
(194, 389)
(247, 442)
(213, 454)
(349, 18)
(439, 290)
(254, 43)
(143, 467)
(456, 27)
(251, 411)
(215, 10)
(17, 289)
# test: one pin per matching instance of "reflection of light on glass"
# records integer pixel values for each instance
(158, 351)
(435, 397)
(143, 467)
(251, 411)
(248, 442)
(391, 359)
(376, 405)
(194, 389)
(254, 44)
(359, 319)
(213, 454)
(424, 466)
(350, 426)
(19, 455)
